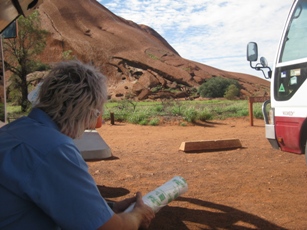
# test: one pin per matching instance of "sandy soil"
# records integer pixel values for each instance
(254, 187)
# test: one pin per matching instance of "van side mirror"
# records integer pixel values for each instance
(264, 62)
(252, 55)
(252, 51)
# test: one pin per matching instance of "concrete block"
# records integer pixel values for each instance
(210, 145)
(92, 146)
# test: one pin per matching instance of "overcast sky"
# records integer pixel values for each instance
(213, 32)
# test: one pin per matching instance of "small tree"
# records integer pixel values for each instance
(20, 53)
(232, 92)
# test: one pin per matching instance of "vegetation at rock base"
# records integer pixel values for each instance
(219, 87)
(232, 92)
(169, 111)
(180, 112)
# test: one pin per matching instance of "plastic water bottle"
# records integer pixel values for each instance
(164, 194)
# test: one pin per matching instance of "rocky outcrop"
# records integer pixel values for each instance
(138, 62)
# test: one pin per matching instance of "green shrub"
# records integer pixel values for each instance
(218, 110)
(232, 92)
(176, 111)
(143, 122)
(190, 115)
(216, 87)
(68, 55)
(204, 116)
(242, 112)
(158, 108)
(154, 121)
(138, 118)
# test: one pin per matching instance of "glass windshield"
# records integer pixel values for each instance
(289, 77)
(294, 44)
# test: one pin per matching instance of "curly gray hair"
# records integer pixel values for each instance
(73, 94)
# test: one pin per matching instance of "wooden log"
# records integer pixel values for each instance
(211, 145)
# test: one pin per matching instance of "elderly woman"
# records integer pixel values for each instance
(44, 182)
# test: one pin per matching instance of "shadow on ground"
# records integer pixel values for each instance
(207, 215)
(112, 192)
(208, 124)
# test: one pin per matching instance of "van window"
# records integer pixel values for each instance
(295, 42)
(290, 77)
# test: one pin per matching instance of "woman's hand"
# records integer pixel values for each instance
(139, 217)
(121, 206)
(146, 212)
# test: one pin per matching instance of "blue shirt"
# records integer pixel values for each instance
(44, 181)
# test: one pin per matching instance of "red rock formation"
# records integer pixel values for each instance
(133, 57)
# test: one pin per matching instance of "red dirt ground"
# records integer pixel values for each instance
(254, 187)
